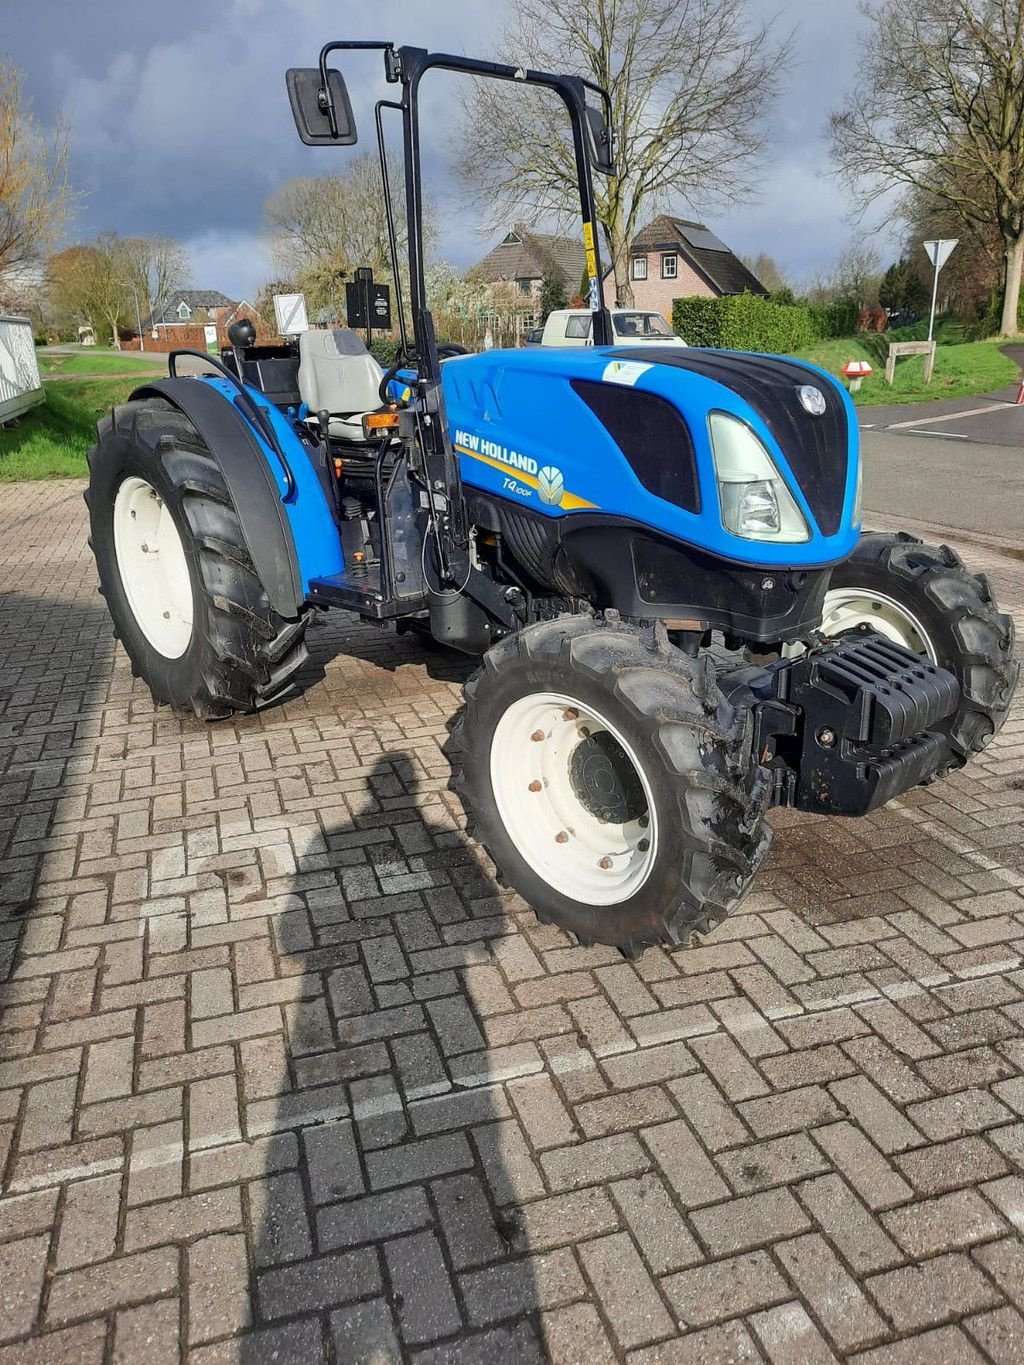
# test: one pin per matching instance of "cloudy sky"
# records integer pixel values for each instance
(181, 124)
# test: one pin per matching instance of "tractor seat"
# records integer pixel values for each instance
(337, 374)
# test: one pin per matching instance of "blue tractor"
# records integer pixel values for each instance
(657, 553)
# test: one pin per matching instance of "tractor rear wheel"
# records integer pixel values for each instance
(923, 597)
(611, 782)
(175, 570)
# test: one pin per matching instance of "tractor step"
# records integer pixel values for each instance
(361, 591)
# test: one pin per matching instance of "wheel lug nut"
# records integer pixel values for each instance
(571, 714)
(644, 821)
(167, 615)
(584, 733)
(561, 837)
(605, 864)
(537, 736)
(535, 786)
(644, 845)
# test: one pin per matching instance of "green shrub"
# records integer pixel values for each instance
(744, 322)
(384, 351)
(836, 319)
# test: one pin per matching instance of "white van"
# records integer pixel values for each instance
(632, 327)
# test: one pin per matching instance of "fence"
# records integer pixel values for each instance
(20, 385)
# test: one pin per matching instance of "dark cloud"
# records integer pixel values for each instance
(181, 123)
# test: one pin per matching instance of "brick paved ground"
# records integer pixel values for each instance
(284, 1077)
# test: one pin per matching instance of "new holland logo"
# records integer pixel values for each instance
(550, 485)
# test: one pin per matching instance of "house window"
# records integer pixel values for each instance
(639, 267)
(669, 267)
(184, 311)
(525, 286)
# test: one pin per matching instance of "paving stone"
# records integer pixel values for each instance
(949, 1221)
(149, 1332)
(755, 1220)
(828, 1290)
(88, 1229)
(22, 1266)
(505, 1291)
(656, 1224)
(428, 1309)
(789, 1337)
(625, 1290)
(926, 1295)
(78, 1294)
(318, 1283)
(218, 1288)
(723, 1289)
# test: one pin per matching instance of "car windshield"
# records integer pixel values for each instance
(642, 325)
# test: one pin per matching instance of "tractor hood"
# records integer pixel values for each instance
(627, 432)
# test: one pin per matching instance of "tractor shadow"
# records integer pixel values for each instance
(399, 1231)
(343, 648)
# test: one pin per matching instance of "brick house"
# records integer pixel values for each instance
(191, 308)
(179, 321)
(673, 258)
(524, 257)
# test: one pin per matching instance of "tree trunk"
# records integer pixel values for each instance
(618, 250)
(1011, 291)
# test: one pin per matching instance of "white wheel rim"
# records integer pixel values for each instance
(154, 571)
(536, 777)
(846, 609)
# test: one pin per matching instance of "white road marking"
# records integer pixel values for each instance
(943, 435)
(948, 417)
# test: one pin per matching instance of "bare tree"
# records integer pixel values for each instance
(766, 269)
(114, 280)
(34, 192)
(339, 220)
(690, 82)
(939, 109)
(154, 268)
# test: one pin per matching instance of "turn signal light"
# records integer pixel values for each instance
(378, 422)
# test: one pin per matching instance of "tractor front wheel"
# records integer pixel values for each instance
(923, 597)
(175, 570)
(611, 782)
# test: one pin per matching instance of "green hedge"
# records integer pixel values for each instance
(748, 322)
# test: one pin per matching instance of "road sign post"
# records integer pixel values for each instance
(939, 252)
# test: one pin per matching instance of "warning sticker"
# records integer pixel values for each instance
(624, 371)
(588, 246)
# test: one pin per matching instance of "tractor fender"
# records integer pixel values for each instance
(252, 483)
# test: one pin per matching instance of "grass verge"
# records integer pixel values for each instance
(960, 370)
(50, 441)
(97, 362)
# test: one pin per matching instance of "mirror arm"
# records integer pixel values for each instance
(325, 99)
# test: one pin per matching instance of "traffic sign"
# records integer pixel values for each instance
(940, 251)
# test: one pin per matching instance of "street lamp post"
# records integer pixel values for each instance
(138, 319)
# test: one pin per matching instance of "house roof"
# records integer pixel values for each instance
(708, 255)
(528, 255)
(196, 299)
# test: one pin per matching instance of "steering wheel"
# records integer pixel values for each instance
(388, 376)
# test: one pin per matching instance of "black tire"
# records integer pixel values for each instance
(709, 792)
(968, 634)
(242, 654)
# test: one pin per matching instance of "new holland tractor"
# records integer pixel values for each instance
(657, 553)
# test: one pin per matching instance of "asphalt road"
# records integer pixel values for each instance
(965, 485)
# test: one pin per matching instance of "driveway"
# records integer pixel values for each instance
(285, 1076)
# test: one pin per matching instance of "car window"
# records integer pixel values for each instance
(642, 324)
(579, 326)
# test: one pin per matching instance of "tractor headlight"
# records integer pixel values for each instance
(756, 503)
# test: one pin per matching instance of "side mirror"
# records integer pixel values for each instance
(602, 156)
(311, 107)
